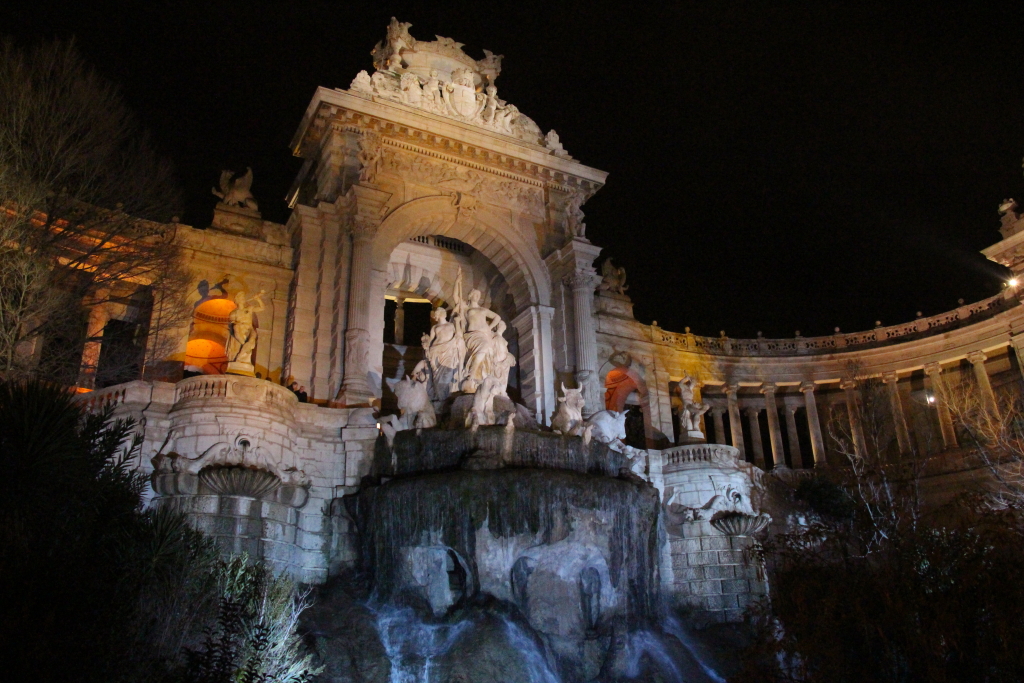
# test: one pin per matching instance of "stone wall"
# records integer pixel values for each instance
(252, 466)
(714, 574)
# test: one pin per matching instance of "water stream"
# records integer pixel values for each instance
(416, 648)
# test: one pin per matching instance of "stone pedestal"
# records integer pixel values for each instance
(237, 220)
(618, 305)
(236, 367)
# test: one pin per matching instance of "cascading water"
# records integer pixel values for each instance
(422, 652)
(676, 629)
(516, 556)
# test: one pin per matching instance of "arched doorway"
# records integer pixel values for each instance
(422, 275)
(512, 251)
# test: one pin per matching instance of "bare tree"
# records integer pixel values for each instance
(85, 209)
(883, 482)
(994, 428)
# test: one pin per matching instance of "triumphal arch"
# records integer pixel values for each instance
(414, 175)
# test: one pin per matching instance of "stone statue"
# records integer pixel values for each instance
(573, 213)
(241, 332)
(612, 279)
(445, 350)
(552, 142)
(690, 413)
(236, 192)
(406, 73)
(568, 417)
(484, 329)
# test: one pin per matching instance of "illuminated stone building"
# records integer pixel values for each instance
(417, 178)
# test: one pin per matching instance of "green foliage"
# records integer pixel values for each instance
(254, 640)
(93, 587)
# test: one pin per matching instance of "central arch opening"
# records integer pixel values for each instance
(423, 275)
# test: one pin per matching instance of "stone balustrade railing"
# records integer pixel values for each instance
(699, 454)
(801, 346)
(248, 389)
(95, 401)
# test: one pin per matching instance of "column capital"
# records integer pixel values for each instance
(890, 377)
(807, 386)
(848, 384)
(768, 388)
(753, 411)
(585, 279)
(976, 357)
(932, 368)
(731, 390)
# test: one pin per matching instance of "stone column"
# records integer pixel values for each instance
(1017, 343)
(583, 282)
(536, 360)
(934, 373)
(988, 397)
(364, 221)
(400, 321)
(735, 426)
(774, 429)
(99, 315)
(755, 437)
(794, 437)
(813, 424)
(716, 418)
(853, 410)
(891, 380)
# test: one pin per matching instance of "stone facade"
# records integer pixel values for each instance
(417, 177)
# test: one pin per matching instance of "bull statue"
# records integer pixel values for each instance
(568, 417)
(609, 427)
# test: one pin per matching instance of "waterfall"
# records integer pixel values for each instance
(678, 631)
(417, 649)
(411, 644)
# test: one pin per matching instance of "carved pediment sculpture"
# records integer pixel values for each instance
(439, 77)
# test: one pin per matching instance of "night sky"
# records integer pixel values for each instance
(772, 167)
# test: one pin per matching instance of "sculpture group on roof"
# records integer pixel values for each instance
(438, 77)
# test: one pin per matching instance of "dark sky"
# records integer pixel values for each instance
(772, 166)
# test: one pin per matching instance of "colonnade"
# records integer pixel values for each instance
(784, 432)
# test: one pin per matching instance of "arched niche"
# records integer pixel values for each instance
(208, 336)
(513, 255)
(496, 237)
(624, 387)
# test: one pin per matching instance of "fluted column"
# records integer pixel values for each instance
(934, 373)
(355, 389)
(735, 426)
(716, 418)
(813, 424)
(853, 410)
(583, 282)
(794, 437)
(364, 206)
(774, 428)
(891, 381)
(988, 397)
